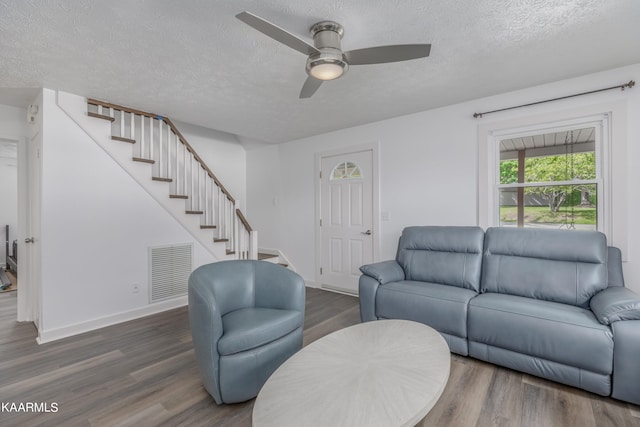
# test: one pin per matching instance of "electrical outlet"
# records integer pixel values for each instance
(135, 288)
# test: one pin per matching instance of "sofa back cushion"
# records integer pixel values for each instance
(445, 255)
(554, 265)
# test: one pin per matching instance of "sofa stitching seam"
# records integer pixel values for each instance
(537, 317)
(439, 298)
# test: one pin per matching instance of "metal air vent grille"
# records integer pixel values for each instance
(169, 270)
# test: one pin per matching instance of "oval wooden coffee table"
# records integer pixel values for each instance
(382, 373)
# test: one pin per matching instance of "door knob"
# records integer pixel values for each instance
(29, 240)
(368, 232)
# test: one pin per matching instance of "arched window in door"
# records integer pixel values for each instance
(345, 170)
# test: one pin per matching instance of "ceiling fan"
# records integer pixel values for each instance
(326, 60)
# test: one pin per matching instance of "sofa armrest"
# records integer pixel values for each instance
(614, 304)
(626, 375)
(384, 272)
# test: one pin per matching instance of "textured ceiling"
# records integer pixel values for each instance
(193, 61)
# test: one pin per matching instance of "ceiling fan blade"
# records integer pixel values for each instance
(277, 33)
(310, 87)
(382, 54)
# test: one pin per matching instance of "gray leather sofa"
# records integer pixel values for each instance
(246, 319)
(551, 303)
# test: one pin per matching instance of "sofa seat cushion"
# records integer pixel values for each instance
(553, 331)
(248, 328)
(442, 307)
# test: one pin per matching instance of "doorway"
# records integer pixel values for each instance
(8, 214)
(347, 228)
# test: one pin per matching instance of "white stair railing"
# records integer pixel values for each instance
(157, 141)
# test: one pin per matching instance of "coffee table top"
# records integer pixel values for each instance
(381, 373)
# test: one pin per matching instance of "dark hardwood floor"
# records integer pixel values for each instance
(143, 373)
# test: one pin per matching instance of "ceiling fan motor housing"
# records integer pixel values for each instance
(326, 38)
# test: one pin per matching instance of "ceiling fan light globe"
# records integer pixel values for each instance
(326, 71)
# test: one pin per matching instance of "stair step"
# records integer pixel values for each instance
(140, 159)
(230, 252)
(205, 227)
(262, 256)
(159, 178)
(178, 196)
(220, 240)
(119, 138)
(100, 116)
(283, 264)
(194, 212)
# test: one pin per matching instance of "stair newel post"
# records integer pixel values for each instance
(248, 238)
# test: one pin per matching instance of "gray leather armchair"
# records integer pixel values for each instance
(246, 319)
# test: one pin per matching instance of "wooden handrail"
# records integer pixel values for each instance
(175, 130)
(199, 159)
(121, 107)
(243, 220)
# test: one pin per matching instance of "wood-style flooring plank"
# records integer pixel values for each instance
(144, 373)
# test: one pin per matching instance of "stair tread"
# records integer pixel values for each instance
(140, 159)
(120, 138)
(178, 196)
(194, 212)
(159, 178)
(231, 252)
(207, 226)
(220, 240)
(266, 256)
(100, 116)
(283, 264)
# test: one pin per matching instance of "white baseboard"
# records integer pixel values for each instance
(45, 336)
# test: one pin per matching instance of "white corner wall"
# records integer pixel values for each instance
(12, 129)
(97, 226)
(428, 168)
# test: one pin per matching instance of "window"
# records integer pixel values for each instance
(551, 179)
(611, 186)
(345, 170)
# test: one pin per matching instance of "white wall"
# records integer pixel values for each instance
(12, 130)
(97, 226)
(13, 122)
(425, 158)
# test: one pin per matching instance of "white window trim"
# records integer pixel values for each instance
(611, 162)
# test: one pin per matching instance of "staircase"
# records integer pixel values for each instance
(210, 213)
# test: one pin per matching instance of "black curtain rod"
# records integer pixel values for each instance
(621, 87)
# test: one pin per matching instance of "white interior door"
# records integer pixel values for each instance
(346, 218)
(29, 193)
